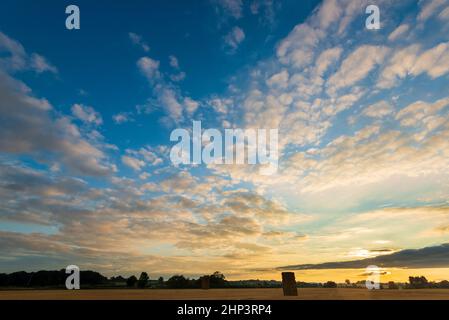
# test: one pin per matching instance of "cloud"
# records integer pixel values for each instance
(150, 68)
(429, 8)
(266, 9)
(174, 62)
(137, 40)
(233, 8)
(378, 110)
(190, 105)
(169, 100)
(18, 56)
(398, 32)
(357, 66)
(122, 117)
(399, 66)
(428, 257)
(298, 47)
(133, 163)
(19, 60)
(444, 15)
(234, 38)
(178, 77)
(167, 94)
(151, 156)
(434, 62)
(328, 13)
(326, 59)
(28, 127)
(86, 114)
(40, 64)
(411, 61)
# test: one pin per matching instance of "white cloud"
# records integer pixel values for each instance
(298, 47)
(429, 8)
(279, 80)
(86, 114)
(326, 59)
(232, 7)
(398, 32)
(174, 61)
(133, 163)
(357, 66)
(150, 68)
(413, 61)
(137, 40)
(18, 56)
(234, 38)
(17, 59)
(178, 77)
(398, 67)
(329, 12)
(220, 105)
(170, 102)
(122, 117)
(444, 15)
(28, 127)
(418, 111)
(434, 62)
(378, 110)
(190, 105)
(40, 64)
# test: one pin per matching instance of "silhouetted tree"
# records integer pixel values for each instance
(117, 279)
(160, 281)
(177, 282)
(91, 278)
(143, 280)
(330, 284)
(131, 281)
(217, 280)
(418, 282)
(392, 285)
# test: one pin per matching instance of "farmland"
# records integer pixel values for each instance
(225, 294)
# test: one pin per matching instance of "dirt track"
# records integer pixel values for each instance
(219, 294)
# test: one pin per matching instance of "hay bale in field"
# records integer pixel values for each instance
(289, 284)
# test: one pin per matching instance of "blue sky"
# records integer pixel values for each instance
(87, 115)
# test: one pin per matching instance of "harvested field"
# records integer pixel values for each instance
(224, 294)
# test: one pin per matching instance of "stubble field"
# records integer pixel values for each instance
(224, 294)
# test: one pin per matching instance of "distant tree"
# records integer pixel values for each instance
(91, 278)
(348, 282)
(330, 284)
(117, 279)
(131, 281)
(160, 281)
(217, 280)
(392, 285)
(418, 282)
(177, 282)
(143, 280)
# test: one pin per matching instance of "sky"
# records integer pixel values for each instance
(86, 117)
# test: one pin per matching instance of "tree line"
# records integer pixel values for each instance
(48, 279)
(94, 279)
(216, 280)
